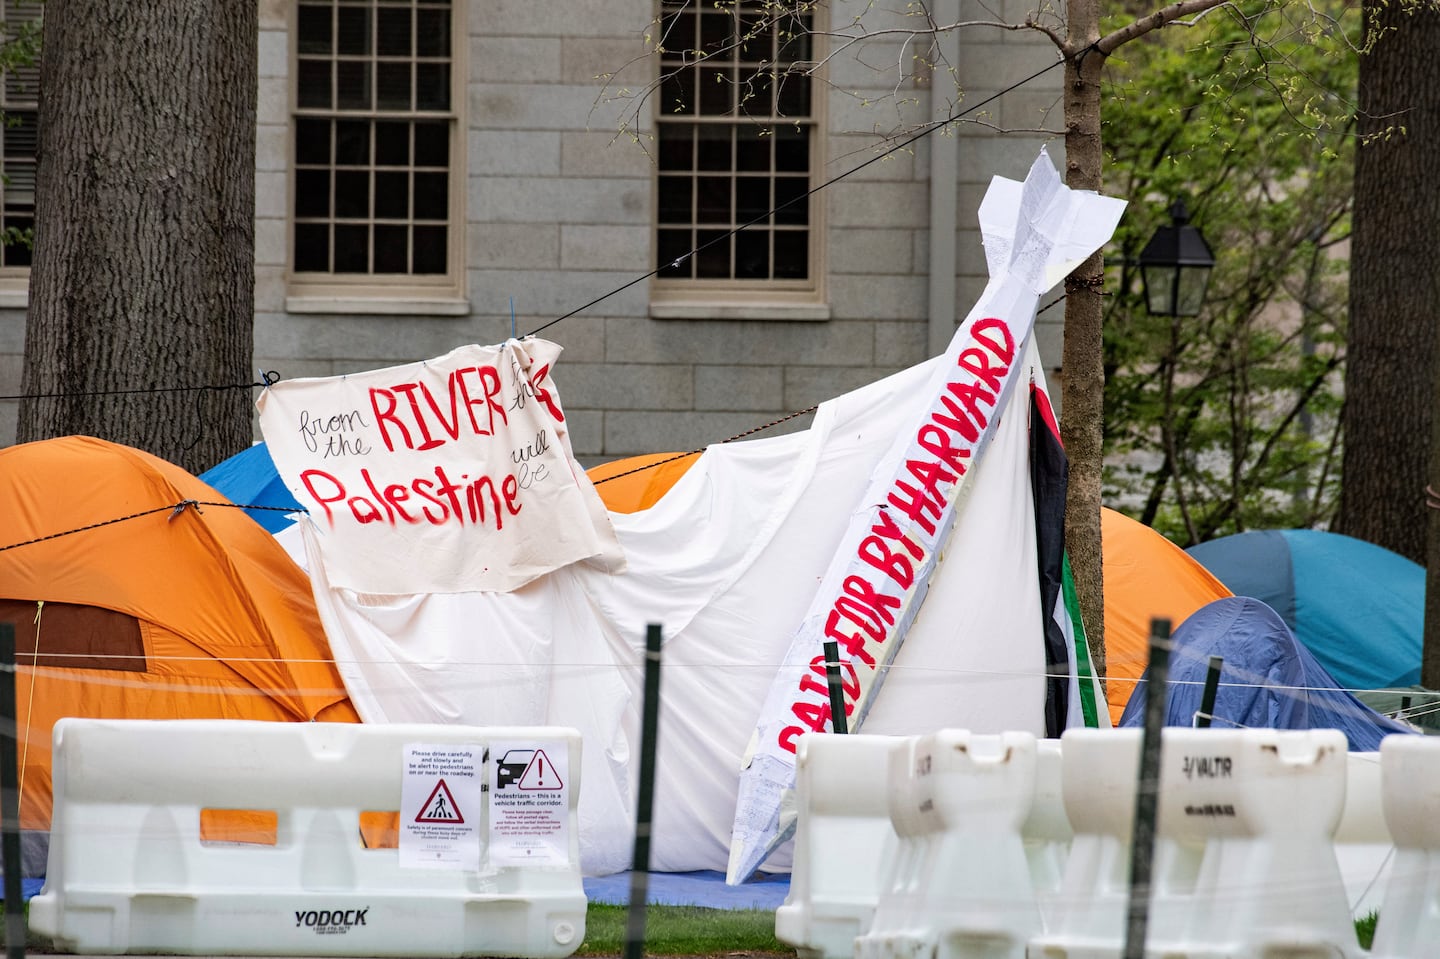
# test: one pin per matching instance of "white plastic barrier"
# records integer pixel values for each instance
(129, 871)
(1086, 919)
(1245, 863)
(959, 885)
(1409, 925)
(841, 837)
(1046, 831)
(1362, 841)
(1248, 820)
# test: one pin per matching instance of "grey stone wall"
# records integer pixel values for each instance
(559, 213)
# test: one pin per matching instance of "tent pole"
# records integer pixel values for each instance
(15, 926)
(1147, 790)
(649, 732)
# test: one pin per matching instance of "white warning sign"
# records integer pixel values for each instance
(440, 807)
(440, 797)
(529, 804)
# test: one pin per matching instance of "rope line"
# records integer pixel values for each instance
(174, 509)
(269, 378)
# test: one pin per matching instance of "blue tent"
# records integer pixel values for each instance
(249, 478)
(1268, 679)
(1359, 608)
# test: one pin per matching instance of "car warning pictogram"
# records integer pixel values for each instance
(440, 807)
(540, 774)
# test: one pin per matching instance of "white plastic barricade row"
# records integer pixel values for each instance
(958, 885)
(841, 836)
(1409, 924)
(487, 860)
(1245, 863)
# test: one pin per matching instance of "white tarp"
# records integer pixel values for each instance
(449, 475)
(728, 562)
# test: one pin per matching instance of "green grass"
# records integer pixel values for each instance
(1365, 929)
(683, 931)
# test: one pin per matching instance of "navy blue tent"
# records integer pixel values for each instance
(249, 478)
(1268, 678)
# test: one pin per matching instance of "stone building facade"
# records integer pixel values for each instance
(422, 164)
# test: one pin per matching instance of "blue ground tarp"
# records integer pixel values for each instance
(1268, 679)
(706, 888)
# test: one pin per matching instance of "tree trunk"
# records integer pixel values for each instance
(1394, 287)
(1082, 395)
(143, 276)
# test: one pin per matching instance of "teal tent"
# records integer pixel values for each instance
(1358, 608)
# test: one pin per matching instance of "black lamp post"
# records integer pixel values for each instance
(1175, 266)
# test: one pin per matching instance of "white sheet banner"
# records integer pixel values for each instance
(450, 475)
(878, 579)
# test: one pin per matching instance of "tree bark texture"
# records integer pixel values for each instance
(1082, 365)
(1394, 286)
(143, 276)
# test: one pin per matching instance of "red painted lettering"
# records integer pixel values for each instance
(474, 498)
(449, 491)
(409, 390)
(916, 504)
(452, 425)
(480, 400)
(788, 736)
(930, 475)
(862, 616)
(897, 566)
(971, 396)
(543, 395)
(334, 494)
(376, 503)
(395, 494)
(851, 685)
(808, 684)
(433, 499)
(956, 421)
(384, 418)
(489, 388)
(935, 441)
(812, 715)
(888, 528)
(862, 590)
(422, 489)
(977, 361)
(854, 645)
(364, 510)
(510, 488)
(995, 333)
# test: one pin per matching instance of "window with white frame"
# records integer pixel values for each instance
(374, 203)
(736, 144)
(19, 136)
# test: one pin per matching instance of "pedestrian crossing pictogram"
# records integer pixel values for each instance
(440, 807)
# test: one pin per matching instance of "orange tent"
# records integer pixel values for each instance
(1146, 575)
(126, 607)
